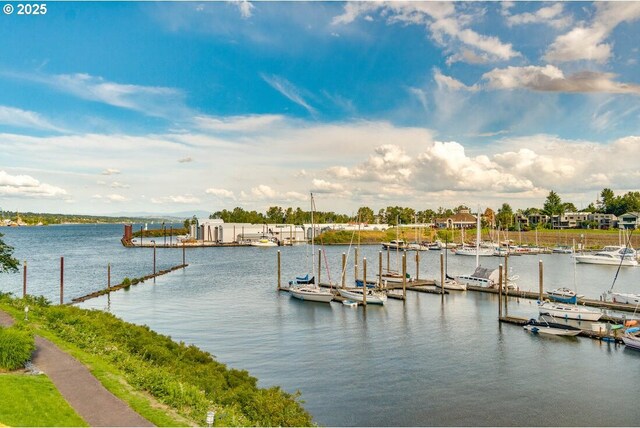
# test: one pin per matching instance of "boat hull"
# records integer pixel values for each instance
(628, 298)
(357, 296)
(574, 312)
(451, 284)
(596, 260)
(631, 342)
(311, 294)
(551, 330)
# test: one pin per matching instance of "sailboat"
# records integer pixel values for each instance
(617, 297)
(305, 288)
(566, 310)
(450, 282)
(390, 275)
(481, 277)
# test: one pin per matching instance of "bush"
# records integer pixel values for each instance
(126, 282)
(16, 347)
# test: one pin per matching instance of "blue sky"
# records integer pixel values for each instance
(171, 106)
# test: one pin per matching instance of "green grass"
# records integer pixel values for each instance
(169, 383)
(33, 400)
(16, 347)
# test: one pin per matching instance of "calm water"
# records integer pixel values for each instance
(428, 361)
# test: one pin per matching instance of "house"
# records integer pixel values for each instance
(463, 219)
(630, 220)
(539, 218)
(605, 221)
(569, 220)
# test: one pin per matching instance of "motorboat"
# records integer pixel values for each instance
(394, 244)
(417, 246)
(631, 339)
(628, 298)
(481, 277)
(264, 242)
(562, 249)
(565, 311)
(563, 295)
(610, 255)
(357, 295)
(552, 328)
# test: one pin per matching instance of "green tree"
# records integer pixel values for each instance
(607, 199)
(505, 216)
(569, 207)
(7, 262)
(365, 214)
(275, 215)
(553, 205)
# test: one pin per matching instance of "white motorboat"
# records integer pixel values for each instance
(628, 298)
(610, 255)
(373, 297)
(450, 284)
(562, 249)
(561, 310)
(551, 328)
(417, 246)
(264, 242)
(394, 244)
(563, 295)
(481, 277)
(311, 293)
(630, 338)
(473, 251)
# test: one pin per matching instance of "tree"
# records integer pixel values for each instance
(505, 216)
(275, 215)
(7, 262)
(605, 204)
(365, 214)
(553, 205)
(569, 207)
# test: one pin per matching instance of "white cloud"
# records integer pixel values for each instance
(446, 25)
(249, 123)
(185, 160)
(221, 193)
(447, 82)
(263, 192)
(114, 197)
(323, 186)
(25, 119)
(111, 171)
(589, 42)
(27, 186)
(179, 199)
(245, 8)
(289, 90)
(549, 15)
(552, 79)
(118, 185)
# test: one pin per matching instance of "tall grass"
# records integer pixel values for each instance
(16, 347)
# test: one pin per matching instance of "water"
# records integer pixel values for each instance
(428, 361)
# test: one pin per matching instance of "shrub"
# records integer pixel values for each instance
(16, 347)
(126, 282)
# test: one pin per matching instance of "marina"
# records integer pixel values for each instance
(226, 302)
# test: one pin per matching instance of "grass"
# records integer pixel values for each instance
(16, 347)
(168, 383)
(34, 401)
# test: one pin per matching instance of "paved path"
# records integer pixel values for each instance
(97, 406)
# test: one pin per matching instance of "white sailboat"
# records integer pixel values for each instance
(357, 295)
(390, 275)
(304, 288)
(617, 297)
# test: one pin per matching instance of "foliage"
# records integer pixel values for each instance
(553, 205)
(180, 376)
(504, 218)
(618, 205)
(7, 262)
(34, 401)
(31, 218)
(16, 347)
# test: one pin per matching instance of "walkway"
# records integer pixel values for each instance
(97, 406)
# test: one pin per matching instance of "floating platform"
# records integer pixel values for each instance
(597, 335)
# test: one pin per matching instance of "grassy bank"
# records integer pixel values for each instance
(33, 400)
(593, 239)
(166, 382)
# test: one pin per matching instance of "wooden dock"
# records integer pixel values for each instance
(597, 335)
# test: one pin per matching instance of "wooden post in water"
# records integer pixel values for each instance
(171, 236)
(183, 255)
(388, 259)
(417, 265)
(61, 280)
(319, 265)
(380, 270)
(500, 292)
(278, 269)
(404, 275)
(108, 276)
(141, 236)
(442, 273)
(364, 284)
(24, 279)
(344, 268)
(355, 266)
(154, 260)
(506, 285)
(540, 278)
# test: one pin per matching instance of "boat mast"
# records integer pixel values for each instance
(478, 238)
(313, 232)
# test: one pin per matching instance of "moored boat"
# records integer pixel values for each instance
(264, 242)
(552, 328)
(561, 310)
(357, 295)
(610, 255)
(311, 293)
(563, 295)
(631, 339)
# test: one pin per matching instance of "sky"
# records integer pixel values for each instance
(162, 107)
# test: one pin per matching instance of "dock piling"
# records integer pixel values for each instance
(279, 271)
(24, 279)
(500, 291)
(61, 280)
(404, 275)
(380, 270)
(344, 267)
(442, 273)
(540, 278)
(364, 279)
(417, 265)
(319, 264)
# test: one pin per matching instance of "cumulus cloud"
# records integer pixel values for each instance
(248, 123)
(446, 25)
(549, 15)
(118, 185)
(221, 193)
(323, 186)
(447, 82)
(114, 197)
(245, 8)
(111, 171)
(263, 192)
(185, 160)
(552, 79)
(589, 42)
(179, 199)
(27, 186)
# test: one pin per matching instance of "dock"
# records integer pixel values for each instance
(597, 335)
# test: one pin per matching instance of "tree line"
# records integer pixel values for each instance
(608, 203)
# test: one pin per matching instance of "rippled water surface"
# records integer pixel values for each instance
(431, 360)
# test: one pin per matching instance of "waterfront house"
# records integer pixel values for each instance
(461, 220)
(630, 220)
(605, 221)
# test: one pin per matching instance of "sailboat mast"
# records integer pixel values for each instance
(478, 237)
(313, 251)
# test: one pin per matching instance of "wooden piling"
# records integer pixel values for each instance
(344, 269)
(279, 271)
(404, 275)
(61, 280)
(108, 276)
(364, 284)
(442, 273)
(319, 264)
(24, 279)
(380, 270)
(500, 292)
(171, 236)
(355, 266)
(506, 285)
(417, 265)
(540, 278)
(183, 255)
(388, 259)
(154, 260)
